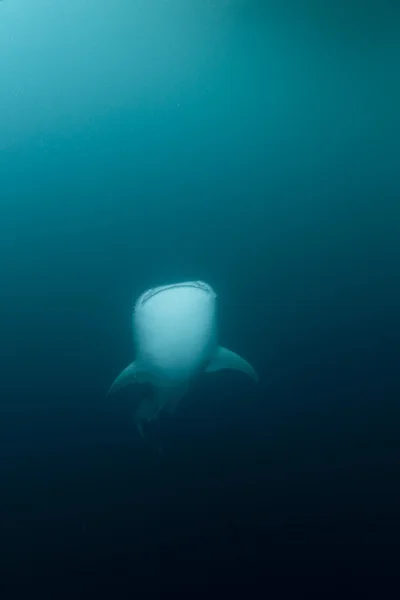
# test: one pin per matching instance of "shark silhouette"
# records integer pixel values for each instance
(175, 337)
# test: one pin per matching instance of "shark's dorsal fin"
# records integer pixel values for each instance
(226, 359)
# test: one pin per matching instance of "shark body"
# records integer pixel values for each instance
(175, 338)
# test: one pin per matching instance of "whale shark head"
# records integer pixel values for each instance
(175, 339)
(175, 331)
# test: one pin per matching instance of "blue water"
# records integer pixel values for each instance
(252, 146)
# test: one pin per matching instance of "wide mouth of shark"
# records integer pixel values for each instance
(188, 284)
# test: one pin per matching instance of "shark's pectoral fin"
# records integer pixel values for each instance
(131, 374)
(226, 359)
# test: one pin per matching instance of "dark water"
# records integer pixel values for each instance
(255, 147)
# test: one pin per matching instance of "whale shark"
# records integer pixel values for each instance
(175, 339)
